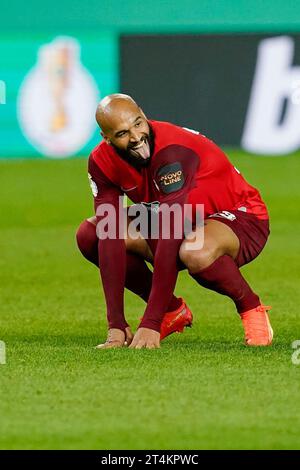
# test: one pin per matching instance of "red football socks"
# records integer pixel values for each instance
(223, 276)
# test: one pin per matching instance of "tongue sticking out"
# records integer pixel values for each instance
(142, 151)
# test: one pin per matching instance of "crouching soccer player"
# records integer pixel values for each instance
(158, 161)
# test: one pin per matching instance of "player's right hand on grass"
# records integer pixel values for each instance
(117, 339)
(146, 338)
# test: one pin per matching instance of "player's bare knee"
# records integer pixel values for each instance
(187, 257)
(196, 260)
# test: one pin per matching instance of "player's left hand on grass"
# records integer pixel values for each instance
(117, 339)
(146, 338)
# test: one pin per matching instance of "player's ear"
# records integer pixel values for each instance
(105, 138)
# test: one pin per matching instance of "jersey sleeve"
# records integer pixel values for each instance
(175, 171)
(111, 250)
(174, 177)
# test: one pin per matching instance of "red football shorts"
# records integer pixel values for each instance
(252, 233)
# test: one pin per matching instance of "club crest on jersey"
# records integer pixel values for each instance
(152, 206)
(225, 215)
(93, 186)
(170, 178)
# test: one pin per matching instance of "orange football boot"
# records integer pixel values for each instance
(257, 326)
(176, 321)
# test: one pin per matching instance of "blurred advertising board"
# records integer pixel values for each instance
(241, 90)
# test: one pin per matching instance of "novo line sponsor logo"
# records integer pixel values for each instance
(171, 178)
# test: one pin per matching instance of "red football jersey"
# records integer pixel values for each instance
(182, 161)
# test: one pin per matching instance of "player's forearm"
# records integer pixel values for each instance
(165, 264)
(112, 262)
(163, 284)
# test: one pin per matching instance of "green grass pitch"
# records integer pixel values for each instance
(202, 390)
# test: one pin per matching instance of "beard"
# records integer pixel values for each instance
(132, 157)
